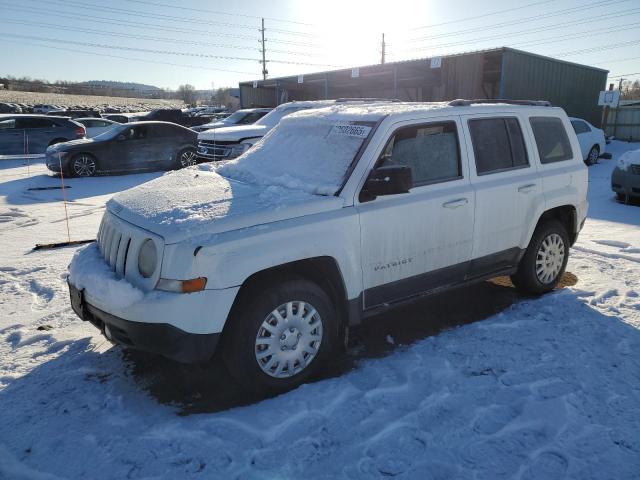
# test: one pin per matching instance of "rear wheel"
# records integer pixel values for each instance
(280, 336)
(186, 158)
(545, 259)
(83, 165)
(594, 154)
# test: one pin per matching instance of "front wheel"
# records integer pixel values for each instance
(545, 259)
(83, 165)
(594, 154)
(186, 158)
(280, 336)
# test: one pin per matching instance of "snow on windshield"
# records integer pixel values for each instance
(309, 151)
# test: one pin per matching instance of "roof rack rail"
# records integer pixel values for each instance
(466, 103)
(367, 100)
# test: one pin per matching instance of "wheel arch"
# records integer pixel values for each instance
(567, 215)
(323, 270)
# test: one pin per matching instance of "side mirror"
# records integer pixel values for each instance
(121, 137)
(388, 180)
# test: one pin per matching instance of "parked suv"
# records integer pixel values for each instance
(230, 142)
(22, 134)
(337, 214)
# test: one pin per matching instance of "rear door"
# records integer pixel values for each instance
(39, 132)
(12, 139)
(416, 242)
(507, 190)
(165, 143)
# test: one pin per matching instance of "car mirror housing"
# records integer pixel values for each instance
(388, 180)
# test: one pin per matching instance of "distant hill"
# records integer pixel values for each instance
(131, 86)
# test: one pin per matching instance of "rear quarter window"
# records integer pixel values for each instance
(551, 139)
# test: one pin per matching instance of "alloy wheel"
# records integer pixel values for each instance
(187, 158)
(84, 166)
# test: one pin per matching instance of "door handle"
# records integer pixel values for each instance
(458, 202)
(526, 188)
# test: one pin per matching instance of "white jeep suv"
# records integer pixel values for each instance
(336, 214)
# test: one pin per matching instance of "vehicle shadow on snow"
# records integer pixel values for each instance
(210, 388)
(19, 192)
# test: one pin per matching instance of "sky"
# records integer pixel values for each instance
(216, 43)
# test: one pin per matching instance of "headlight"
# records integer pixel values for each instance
(147, 258)
(238, 150)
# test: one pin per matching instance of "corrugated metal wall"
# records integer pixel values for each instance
(572, 87)
(624, 123)
(257, 97)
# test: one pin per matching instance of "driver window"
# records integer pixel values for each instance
(431, 150)
(136, 133)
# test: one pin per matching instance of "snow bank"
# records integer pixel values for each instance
(89, 271)
(629, 158)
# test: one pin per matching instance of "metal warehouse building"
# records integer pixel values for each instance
(498, 73)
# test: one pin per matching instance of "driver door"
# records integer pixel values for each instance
(419, 241)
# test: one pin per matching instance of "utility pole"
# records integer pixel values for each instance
(615, 125)
(383, 50)
(264, 53)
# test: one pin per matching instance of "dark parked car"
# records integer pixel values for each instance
(76, 113)
(174, 115)
(10, 108)
(132, 147)
(116, 117)
(20, 134)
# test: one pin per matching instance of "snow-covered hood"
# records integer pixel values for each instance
(196, 201)
(632, 157)
(236, 133)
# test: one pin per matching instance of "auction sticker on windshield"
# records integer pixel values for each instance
(349, 130)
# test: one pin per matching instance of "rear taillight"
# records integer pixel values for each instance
(80, 132)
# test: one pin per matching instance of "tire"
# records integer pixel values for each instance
(545, 259)
(593, 155)
(83, 165)
(264, 352)
(186, 158)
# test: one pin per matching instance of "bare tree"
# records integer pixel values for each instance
(187, 93)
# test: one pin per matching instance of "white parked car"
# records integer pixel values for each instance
(592, 140)
(247, 116)
(96, 126)
(231, 142)
(337, 214)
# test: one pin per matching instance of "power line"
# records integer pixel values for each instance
(624, 75)
(217, 12)
(530, 30)
(190, 20)
(162, 52)
(145, 60)
(148, 37)
(556, 13)
(482, 16)
(597, 49)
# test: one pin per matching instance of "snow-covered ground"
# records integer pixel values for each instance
(546, 388)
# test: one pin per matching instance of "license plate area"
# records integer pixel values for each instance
(77, 301)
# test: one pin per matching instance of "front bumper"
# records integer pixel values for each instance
(160, 338)
(218, 151)
(625, 182)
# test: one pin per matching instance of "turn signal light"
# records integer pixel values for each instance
(182, 286)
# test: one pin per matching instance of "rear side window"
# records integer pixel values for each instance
(431, 150)
(551, 139)
(7, 124)
(498, 145)
(35, 123)
(580, 127)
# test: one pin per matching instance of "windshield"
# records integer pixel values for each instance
(312, 153)
(111, 133)
(235, 117)
(272, 118)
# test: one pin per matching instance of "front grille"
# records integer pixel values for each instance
(217, 142)
(209, 148)
(635, 169)
(114, 246)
